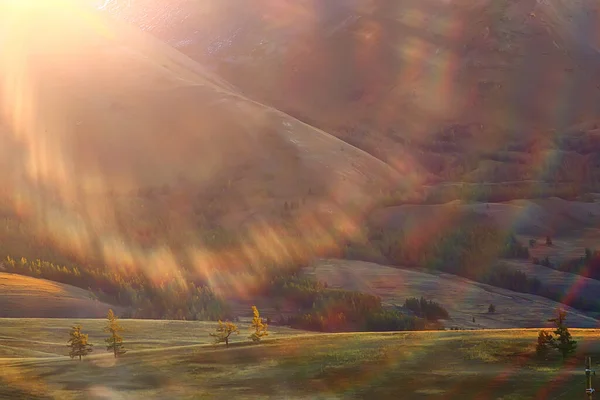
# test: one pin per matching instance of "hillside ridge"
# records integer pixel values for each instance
(26, 297)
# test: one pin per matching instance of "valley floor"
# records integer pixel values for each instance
(174, 359)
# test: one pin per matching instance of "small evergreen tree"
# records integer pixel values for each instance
(546, 262)
(491, 309)
(78, 343)
(259, 328)
(548, 241)
(114, 343)
(588, 254)
(544, 344)
(224, 330)
(564, 343)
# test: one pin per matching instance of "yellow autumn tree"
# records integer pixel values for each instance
(223, 331)
(114, 343)
(78, 343)
(258, 327)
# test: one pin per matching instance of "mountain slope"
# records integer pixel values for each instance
(109, 97)
(118, 144)
(386, 74)
(25, 297)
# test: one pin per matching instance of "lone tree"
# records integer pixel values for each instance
(548, 241)
(259, 328)
(491, 309)
(588, 254)
(545, 342)
(114, 343)
(78, 343)
(224, 330)
(563, 342)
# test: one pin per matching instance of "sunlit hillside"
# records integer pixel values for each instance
(120, 150)
(22, 296)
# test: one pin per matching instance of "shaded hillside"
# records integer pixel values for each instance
(122, 149)
(537, 218)
(572, 286)
(389, 75)
(464, 299)
(26, 297)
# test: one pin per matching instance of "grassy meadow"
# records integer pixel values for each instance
(176, 359)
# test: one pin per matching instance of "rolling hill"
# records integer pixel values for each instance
(116, 101)
(25, 297)
(573, 286)
(123, 150)
(276, 136)
(463, 298)
(399, 78)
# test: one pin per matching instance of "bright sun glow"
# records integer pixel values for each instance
(271, 193)
(83, 163)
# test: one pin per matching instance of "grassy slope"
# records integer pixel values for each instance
(392, 68)
(572, 226)
(572, 285)
(22, 296)
(150, 115)
(111, 111)
(436, 365)
(464, 299)
(562, 250)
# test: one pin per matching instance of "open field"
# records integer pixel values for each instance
(172, 360)
(463, 298)
(22, 296)
(48, 337)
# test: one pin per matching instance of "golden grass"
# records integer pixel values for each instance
(19, 282)
(23, 296)
(49, 335)
(175, 360)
